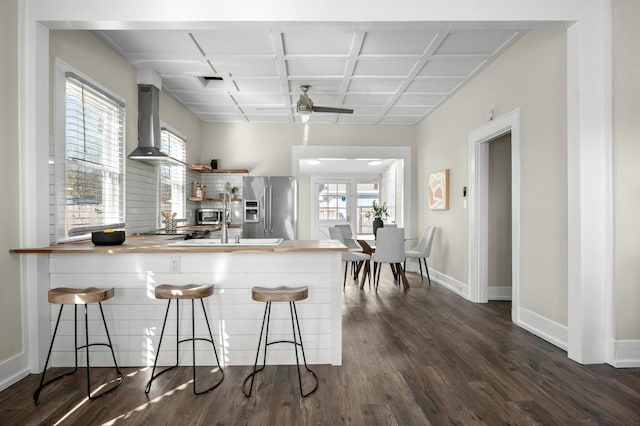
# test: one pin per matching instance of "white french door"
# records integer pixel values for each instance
(331, 204)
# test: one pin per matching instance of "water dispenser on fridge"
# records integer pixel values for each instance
(251, 211)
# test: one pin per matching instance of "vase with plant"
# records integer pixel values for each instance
(378, 212)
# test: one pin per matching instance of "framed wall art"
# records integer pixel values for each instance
(439, 190)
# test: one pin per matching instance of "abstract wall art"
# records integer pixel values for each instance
(439, 190)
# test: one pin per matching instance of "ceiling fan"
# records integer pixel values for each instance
(305, 105)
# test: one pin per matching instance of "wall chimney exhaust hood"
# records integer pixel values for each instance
(148, 150)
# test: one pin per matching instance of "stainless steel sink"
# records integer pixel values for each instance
(210, 242)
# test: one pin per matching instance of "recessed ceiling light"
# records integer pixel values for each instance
(374, 162)
(313, 162)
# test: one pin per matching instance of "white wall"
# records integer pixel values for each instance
(10, 312)
(530, 76)
(626, 137)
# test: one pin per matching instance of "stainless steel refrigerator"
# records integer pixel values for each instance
(270, 207)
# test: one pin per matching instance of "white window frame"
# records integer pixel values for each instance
(175, 168)
(59, 178)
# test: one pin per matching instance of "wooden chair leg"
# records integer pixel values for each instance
(402, 276)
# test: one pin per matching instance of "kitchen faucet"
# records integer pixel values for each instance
(224, 237)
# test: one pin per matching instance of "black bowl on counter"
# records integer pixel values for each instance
(102, 238)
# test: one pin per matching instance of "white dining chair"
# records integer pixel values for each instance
(422, 251)
(347, 236)
(389, 249)
(357, 259)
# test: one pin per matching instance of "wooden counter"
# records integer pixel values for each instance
(135, 317)
(160, 244)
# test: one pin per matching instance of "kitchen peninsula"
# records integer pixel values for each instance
(144, 261)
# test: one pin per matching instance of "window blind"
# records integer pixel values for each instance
(173, 177)
(94, 158)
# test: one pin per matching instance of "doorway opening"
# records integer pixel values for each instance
(483, 216)
(364, 167)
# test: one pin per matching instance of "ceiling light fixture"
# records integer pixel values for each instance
(374, 162)
(304, 116)
(313, 162)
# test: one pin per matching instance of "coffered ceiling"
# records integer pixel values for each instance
(386, 73)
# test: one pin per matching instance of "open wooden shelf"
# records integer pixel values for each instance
(209, 170)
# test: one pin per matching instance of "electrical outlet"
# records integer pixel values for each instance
(174, 264)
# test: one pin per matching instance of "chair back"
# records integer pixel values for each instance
(389, 245)
(339, 232)
(336, 234)
(346, 230)
(424, 245)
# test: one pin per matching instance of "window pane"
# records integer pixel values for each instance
(367, 194)
(332, 202)
(172, 177)
(94, 159)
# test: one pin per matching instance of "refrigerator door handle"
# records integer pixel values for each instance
(270, 209)
(264, 208)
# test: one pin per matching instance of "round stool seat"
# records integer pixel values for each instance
(188, 291)
(77, 296)
(279, 294)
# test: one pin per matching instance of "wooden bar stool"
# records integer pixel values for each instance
(280, 294)
(192, 292)
(79, 296)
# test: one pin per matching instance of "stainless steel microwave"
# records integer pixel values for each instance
(208, 216)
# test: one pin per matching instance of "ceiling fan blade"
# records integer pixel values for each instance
(331, 109)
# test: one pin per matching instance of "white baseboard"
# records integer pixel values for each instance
(452, 284)
(13, 370)
(499, 293)
(551, 331)
(626, 353)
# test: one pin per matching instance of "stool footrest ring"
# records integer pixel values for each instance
(191, 339)
(86, 346)
(297, 341)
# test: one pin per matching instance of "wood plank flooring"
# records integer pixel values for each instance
(422, 357)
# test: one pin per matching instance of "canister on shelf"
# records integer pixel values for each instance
(194, 188)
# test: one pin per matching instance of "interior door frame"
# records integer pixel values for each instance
(299, 152)
(478, 207)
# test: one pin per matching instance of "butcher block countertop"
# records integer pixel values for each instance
(160, 244)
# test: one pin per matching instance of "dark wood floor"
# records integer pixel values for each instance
(424, 357)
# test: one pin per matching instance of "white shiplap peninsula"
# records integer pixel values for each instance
(135, 317)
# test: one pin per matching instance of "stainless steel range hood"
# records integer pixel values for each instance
(148, 150)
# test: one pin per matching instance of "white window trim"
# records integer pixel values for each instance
(58, 198)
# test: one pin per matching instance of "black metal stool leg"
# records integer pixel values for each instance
(266, 317)
(294, 313)
(206, 319)
(86, 346)
(155, 362)
(113, 355)
(36, 394)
